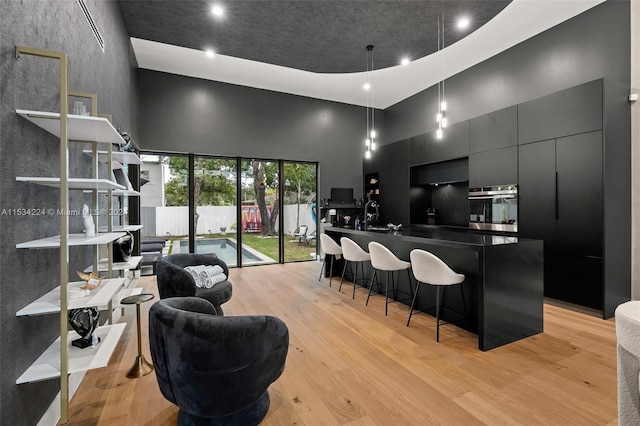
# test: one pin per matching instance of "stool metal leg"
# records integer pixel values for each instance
(373, 277)
(346, 262)
(331, 271)
(355, 279)
(439, 303)
(386, 295)
(415, 296)
(324, 262)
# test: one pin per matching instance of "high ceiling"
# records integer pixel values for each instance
(317, 48)
(312, 35)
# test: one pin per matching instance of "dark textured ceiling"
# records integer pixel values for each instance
(312, 35)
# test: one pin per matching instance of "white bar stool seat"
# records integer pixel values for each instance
(382, 259)
(353, 253)
(329, 247)
(430, 269)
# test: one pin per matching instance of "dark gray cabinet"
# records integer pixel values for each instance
(568, 112)
(498, 129)
(393, 172)
(427, 149)
(496, 167)
(560, 202)
(579, 171)
(537, 192)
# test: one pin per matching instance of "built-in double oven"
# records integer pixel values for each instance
(494, 208)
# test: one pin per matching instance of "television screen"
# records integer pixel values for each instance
(342, 195)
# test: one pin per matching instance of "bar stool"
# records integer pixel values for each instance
(329, 247)
(382, 259)
(352, 252)
(430, 269)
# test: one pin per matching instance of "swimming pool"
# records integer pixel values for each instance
(226, 249)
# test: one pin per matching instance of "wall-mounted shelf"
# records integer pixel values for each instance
(122, 228)
(126, 192)
(132, 263)
(123, 157)
(50, 302)
(74, 183)
(81, 128)
(47, 366)
(74, 240)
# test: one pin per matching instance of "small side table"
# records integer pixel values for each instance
(141, 366)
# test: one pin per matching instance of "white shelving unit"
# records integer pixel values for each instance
(47, 366)
(61, 358)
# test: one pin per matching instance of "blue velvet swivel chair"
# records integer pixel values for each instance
(216, 369)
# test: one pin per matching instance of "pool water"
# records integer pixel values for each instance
(225, 248)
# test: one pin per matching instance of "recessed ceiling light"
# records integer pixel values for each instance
(366, 86)
(405, 61)
(217, 10)
(210, 53)
(463, 23)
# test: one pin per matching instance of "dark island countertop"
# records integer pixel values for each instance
(503, 276)
(443, 236)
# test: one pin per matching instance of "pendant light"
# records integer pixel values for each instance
(370, 134)
(441, 116)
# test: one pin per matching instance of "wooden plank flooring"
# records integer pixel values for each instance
(348, 364)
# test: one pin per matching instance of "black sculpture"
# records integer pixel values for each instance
(84, 321)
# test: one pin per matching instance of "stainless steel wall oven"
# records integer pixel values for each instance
(494, 208)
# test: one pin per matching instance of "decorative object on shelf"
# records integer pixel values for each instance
(393, 227)
(123, 247)
(128, 147)
(92, 280)
(346, 219)
(370, 135)
(89, 226)
(84, 321)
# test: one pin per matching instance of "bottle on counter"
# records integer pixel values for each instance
(357, 223)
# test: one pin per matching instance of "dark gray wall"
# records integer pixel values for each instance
(32, 83)
(593, 45)
(189, 115)
(590, 46)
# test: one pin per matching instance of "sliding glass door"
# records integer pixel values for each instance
(215, 201)
(231, 207)
(259, 211)
(299, 211)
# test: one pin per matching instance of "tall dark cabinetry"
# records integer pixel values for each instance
(560, 190)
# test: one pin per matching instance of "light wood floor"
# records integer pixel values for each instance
(348, 364)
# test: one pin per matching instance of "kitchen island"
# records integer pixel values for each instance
(503, 284)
